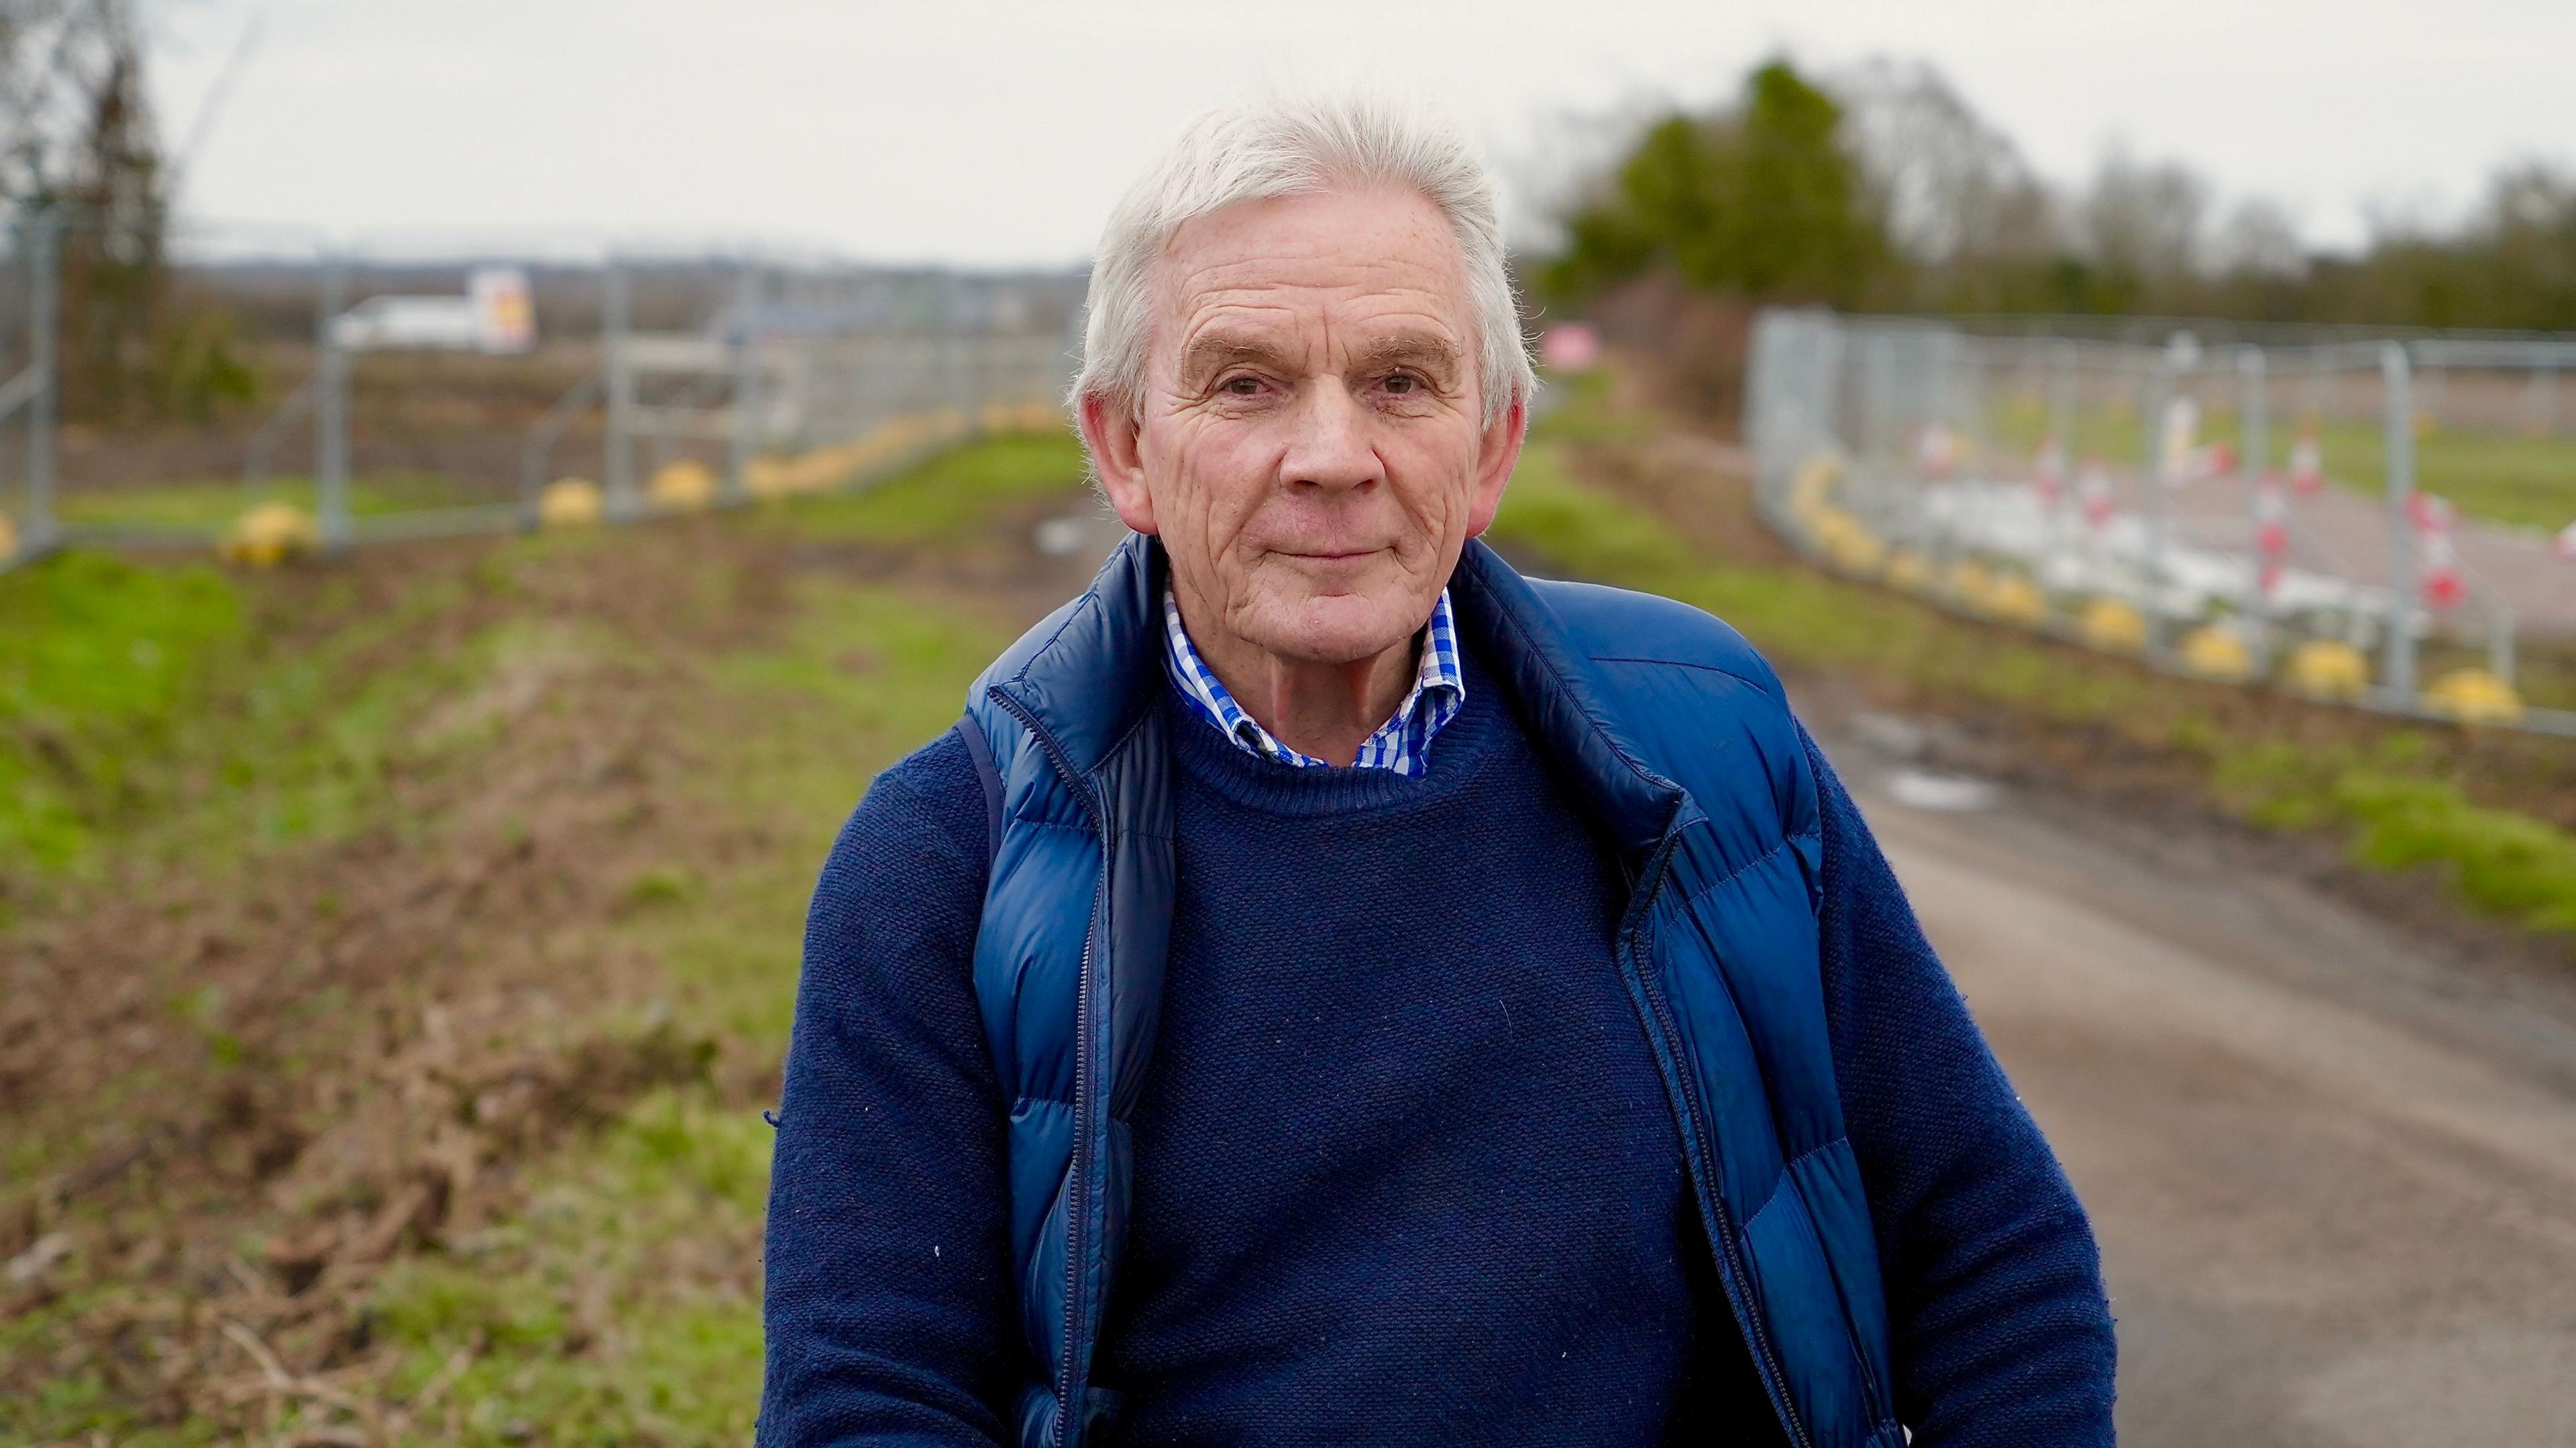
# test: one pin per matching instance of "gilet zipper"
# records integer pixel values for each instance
(1714, 1219)
(1077, 1213)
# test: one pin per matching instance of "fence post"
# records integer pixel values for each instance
(331, 413)
(746, 383)
(2398, 668)
(618, 470)
(2061, 398)
(2254, 454)
(2160, 391)
(44, 261)
(1976, 453)
(2062, 384)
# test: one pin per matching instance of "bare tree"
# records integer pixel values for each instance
(1951, 188)
(77, 138)
(2257, 239)
(72, 114)
(2144, 218)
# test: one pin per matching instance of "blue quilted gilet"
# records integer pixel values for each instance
(1674, 734)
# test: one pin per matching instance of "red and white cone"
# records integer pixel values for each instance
(2093, 489)
(2271, 519)
(2048, 472)
(2440, 556)
(2307, 466)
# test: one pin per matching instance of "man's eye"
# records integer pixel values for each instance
(1402, 383)
(1242, 386)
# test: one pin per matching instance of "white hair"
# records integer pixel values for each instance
(1291, 146)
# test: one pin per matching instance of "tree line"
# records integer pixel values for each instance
(1882, 190)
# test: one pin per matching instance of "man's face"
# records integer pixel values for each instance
(1309, 445)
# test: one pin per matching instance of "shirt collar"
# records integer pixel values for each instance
(1401, 744)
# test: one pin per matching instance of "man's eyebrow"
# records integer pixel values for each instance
(1437, 354)
(1211, 351)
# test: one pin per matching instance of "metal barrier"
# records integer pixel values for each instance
(29, 394)
(441, 398)
(2144, 497)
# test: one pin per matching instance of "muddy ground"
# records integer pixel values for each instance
(247, 1088)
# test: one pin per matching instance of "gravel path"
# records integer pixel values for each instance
(2334, 1174)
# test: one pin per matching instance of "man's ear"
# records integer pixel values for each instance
(1110, 431)
(1496, 456)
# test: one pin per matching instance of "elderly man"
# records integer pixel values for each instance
(1332, 989)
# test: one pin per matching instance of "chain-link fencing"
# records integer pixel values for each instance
(284, 396)
(2347, 515)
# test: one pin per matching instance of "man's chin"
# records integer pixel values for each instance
(1343, 629)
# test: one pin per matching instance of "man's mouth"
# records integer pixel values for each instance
(1329, 555)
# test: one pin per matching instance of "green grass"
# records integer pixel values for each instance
(948, 491)
(2526, 481)
(144, 707)
(209, 505)
(102, 663)
(2391, 804)
(621, 1306)
(2502, 863)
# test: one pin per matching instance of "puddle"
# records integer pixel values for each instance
(1891, 735)
(1064, 537)
(1942, 793)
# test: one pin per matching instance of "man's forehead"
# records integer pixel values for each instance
(1343, 256)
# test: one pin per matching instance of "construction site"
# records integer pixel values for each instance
(430, 678)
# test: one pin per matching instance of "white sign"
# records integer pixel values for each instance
(495, 315)
(504, 315)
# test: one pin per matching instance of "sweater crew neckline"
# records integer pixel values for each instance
(1457, 755)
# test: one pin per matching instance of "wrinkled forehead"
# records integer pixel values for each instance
(1353, 270)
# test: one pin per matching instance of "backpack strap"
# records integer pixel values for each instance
(989, 774)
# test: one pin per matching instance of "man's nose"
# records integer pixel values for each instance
(1331, 448)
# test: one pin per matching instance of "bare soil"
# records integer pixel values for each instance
(268, 1083)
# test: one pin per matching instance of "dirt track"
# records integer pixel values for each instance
(2334, 1174)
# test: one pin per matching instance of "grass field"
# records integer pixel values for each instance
(399, 956)
(2524, 480)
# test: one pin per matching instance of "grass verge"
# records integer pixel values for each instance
(2487, 812)
(402, 968)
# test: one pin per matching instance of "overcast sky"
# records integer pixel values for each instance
(980, 132)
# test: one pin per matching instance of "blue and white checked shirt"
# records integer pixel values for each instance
(1402, 743)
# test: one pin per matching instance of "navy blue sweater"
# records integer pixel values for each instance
(1404, 1169)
